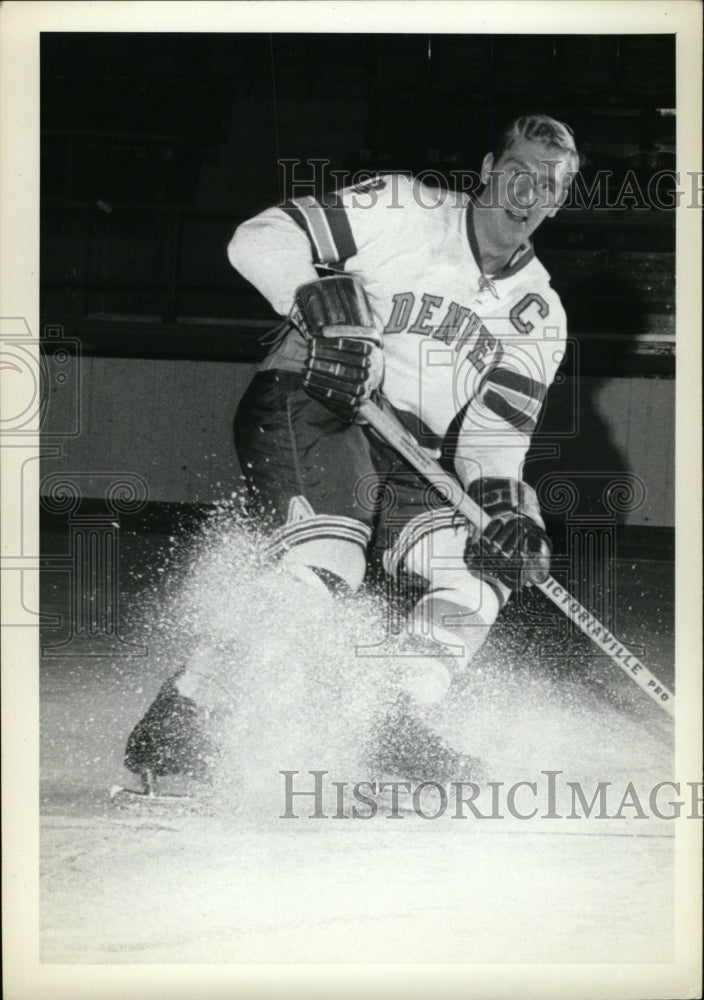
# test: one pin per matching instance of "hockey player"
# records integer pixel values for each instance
(462, 337)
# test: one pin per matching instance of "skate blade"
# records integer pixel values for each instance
(152, 796)
(132, 798)
(146, 793)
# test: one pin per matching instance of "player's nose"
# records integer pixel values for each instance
(524, 191)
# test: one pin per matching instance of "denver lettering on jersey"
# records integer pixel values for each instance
(451, 324)
(510, 395)
(485, 344)
(457, 326)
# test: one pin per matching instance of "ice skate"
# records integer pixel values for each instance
(170, 750)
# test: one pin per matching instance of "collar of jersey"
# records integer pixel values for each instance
(524, 255)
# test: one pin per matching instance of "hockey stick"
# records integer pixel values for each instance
(389, 427)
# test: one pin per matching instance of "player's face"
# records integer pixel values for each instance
(526, 185)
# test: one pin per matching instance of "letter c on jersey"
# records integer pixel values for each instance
(522, 325)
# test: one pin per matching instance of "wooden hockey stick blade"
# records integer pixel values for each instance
(390, 428)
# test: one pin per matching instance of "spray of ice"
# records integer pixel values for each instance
(291, 680)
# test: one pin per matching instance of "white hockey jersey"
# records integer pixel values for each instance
(466, 354)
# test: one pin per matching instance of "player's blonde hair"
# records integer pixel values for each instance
(541, 128)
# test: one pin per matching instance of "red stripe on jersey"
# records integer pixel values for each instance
(292, 209)
(336, 214)
(519, 419)
(326, 226)
(517, 382)
(310, 215)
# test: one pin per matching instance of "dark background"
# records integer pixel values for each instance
(154, 147)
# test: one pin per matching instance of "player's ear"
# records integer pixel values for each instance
(564, 191)
(487, 164)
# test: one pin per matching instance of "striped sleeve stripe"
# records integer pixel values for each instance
(515, 398)
(316, 528)
(524, 419)
(327, 227)
(517, 382)
(416, 529)
(531, 407)
(339, 223)
(291, 208)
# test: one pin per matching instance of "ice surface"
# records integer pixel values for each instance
(300, 693)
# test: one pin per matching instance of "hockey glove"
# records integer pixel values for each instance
(513, 548)
(345, 363)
